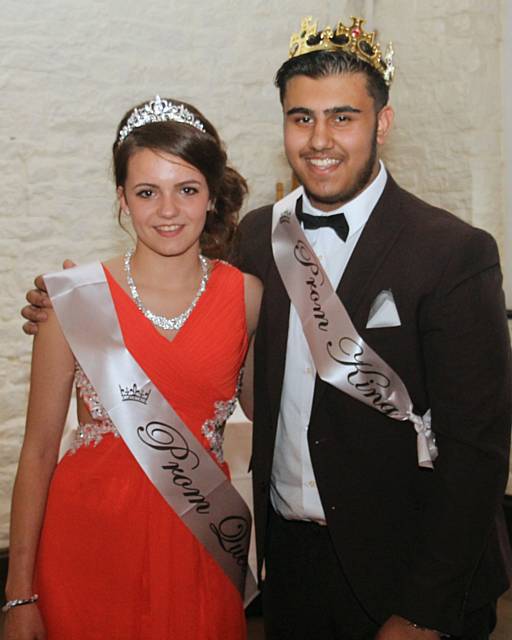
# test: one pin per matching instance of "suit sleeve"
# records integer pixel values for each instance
(466, 349)
(251, 248)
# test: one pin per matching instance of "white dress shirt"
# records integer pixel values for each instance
(294, 493)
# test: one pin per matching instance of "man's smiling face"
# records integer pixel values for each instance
(331, 133)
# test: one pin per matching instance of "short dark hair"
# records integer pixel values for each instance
(319, 64)
(205, 151)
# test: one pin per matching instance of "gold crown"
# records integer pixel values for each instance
(353, 39)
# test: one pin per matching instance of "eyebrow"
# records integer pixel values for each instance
(144, 184)
(155, 186)
(309, 112)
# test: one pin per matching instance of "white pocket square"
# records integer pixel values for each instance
(383, 312)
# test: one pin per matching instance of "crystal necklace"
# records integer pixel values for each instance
(161, 321)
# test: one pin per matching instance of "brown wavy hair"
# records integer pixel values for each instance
(205, 151)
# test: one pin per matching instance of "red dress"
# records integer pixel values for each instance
(114, 561)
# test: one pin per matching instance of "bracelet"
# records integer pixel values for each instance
(420, 628)
(10, 604)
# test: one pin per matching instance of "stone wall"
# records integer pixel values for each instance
(506, 66)
(69, 70)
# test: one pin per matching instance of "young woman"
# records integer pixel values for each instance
(93, 537)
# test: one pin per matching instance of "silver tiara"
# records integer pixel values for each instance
(159, 110)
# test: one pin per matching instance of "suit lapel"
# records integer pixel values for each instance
(279, 315)
(276, 311)
(376, 242)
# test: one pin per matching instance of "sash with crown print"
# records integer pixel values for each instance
(170, 455)
(341, 356)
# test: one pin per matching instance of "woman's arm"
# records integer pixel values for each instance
(253, 293)
(246, 397)
(51, 382)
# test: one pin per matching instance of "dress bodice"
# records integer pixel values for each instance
(92, 432)
(199, 371)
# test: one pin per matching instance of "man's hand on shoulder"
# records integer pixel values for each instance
(38, 300)
(398, 628)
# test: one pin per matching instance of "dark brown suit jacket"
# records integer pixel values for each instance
(429, 546)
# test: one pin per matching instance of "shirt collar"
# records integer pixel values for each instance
(358, 210)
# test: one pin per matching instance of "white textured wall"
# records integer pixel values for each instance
(507, 143)
(69, 69)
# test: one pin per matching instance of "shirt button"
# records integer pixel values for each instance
(311, 483)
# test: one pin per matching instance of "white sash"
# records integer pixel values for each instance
(175, 462)
(341, 356)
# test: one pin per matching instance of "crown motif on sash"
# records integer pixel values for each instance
(353, 39)
(159, 110)
(134, 393)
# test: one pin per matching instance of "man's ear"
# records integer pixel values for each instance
(385, 119)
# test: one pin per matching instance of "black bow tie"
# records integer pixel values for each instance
(338, 222)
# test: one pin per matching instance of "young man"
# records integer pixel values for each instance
(359, 541)
(357, 538)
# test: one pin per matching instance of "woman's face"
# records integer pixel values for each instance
(167, 199)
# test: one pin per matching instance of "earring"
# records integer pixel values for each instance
(126, 212)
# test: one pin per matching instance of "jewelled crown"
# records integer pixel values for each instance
(353, 39)
(159, 110)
